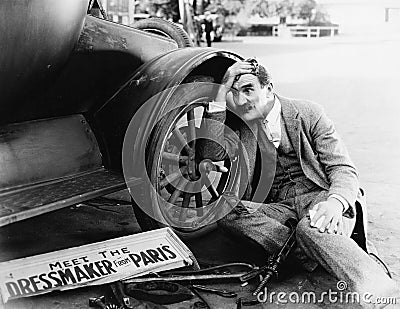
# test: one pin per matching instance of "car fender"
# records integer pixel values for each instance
(159, 75)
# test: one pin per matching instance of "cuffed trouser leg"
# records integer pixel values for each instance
(344, 259)
(266, 226)
(338, 254)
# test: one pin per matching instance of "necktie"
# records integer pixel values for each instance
(268, 163)
(265, 137)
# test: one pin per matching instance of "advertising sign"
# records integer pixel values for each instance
(93, 264)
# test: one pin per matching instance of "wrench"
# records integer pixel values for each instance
(98, 302)
(223, 293)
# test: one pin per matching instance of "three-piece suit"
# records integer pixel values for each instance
(310, 165)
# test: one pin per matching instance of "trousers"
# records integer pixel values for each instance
(263, 223)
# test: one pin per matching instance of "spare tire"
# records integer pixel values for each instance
(164, 28)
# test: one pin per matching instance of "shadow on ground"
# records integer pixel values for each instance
(75, 226)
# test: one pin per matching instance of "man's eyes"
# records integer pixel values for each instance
(247, 90)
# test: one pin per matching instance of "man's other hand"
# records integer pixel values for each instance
(331, 212)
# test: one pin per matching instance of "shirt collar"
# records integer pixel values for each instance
(275, 111)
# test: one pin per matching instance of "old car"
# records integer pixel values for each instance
(71, 85)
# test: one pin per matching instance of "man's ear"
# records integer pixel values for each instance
(229, 98)
(270, 87)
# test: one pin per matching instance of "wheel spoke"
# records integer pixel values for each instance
(199, 203)
(171, 177)
(190, 115)
(174, 157)
(180, 177)
(179, 136)
(220, 168)
(179, 188)
(206, 166)
(210, 187)
(185, 206)
(174, 196)
(192, 128)
(186, 200)
(203, 115)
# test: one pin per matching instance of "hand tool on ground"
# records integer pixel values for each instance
(239, 303)
(121, 299)
(223, 293)
(200, 305)
(249, 302)
(271, 268)
(159, 292)
(177, 278)
(194, 275)
(97, 302)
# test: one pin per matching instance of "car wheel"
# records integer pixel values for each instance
(185, 188)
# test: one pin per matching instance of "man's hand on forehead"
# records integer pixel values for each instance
(235, 71)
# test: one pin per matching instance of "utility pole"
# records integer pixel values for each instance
(131, 11)
(182, 13)
(105, 4)
(199, 6)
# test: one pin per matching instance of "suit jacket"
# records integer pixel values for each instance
(323, 156)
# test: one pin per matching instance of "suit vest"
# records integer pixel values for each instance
(289, 180)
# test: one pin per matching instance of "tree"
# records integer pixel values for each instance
(307, 9)
(243, 9)
(283, 9)
(225, 7)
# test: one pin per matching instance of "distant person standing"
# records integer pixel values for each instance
(208, 27)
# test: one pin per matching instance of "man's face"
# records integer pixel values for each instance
(248, 98)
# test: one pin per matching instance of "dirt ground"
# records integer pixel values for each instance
(356, 79)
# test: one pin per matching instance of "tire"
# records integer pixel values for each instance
(159, 151)
(164, 28)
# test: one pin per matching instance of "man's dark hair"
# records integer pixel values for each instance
(264, 76)
(260, 71)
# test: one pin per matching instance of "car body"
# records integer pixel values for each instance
(70, 85)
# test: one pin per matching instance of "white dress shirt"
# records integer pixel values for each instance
(273, 122)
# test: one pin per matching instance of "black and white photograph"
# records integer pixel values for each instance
(190, 154)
